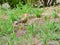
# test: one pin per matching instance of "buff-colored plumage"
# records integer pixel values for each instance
(24, 19)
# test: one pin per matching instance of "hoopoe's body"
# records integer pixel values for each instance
(24, 19)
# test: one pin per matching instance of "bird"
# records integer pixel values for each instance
(24, 19)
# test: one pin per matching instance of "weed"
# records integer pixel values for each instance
(54, 14)
(37, 12)
(52, 26)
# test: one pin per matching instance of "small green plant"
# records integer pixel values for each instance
(53, 26)
(47, 18)
(45, 40)
(54, 37)
(6, 27)
(37, 12)
(54, 14)
(33, 29)
(48, 30)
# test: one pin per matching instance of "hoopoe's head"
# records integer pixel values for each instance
(25, 15)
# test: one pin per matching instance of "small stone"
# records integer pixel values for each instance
(58, 39)
(5, 6)
(15, 22)
(41, 43)
(52, 43)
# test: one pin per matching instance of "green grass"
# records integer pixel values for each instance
(54, 14)
(45, 32)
